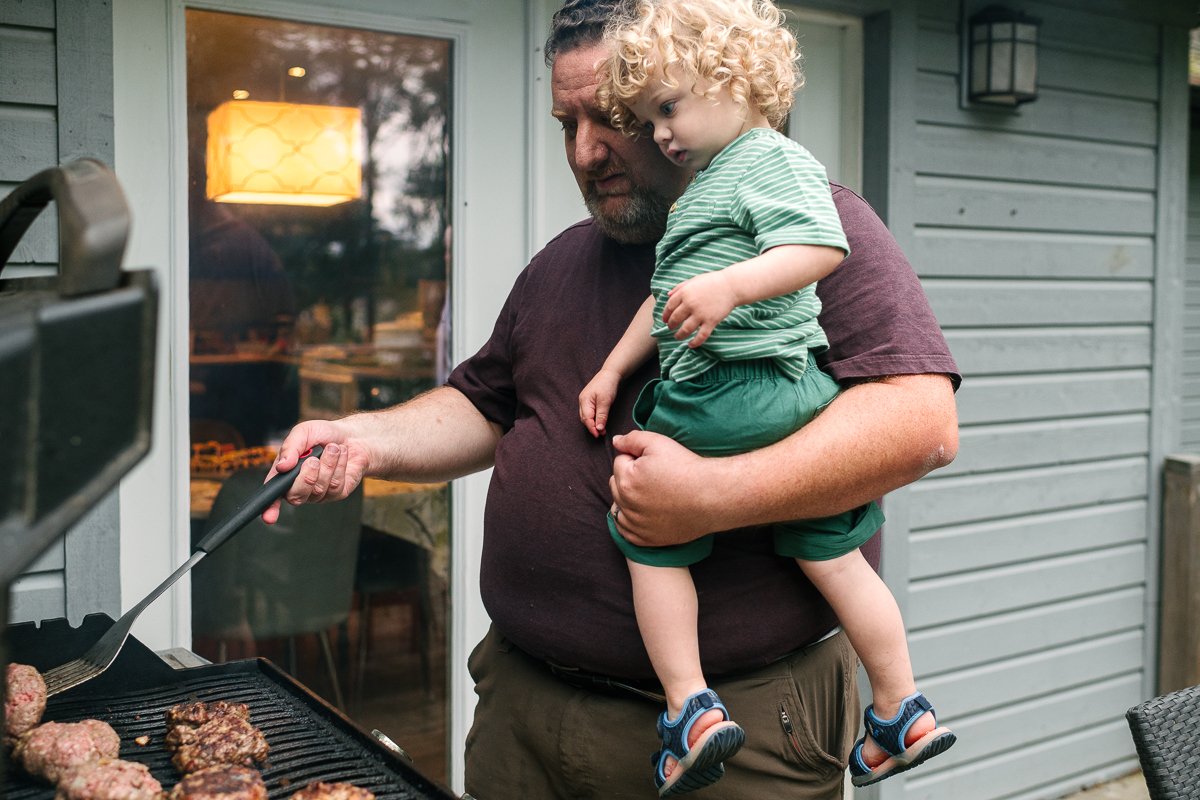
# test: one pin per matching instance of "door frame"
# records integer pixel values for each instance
(489, 229)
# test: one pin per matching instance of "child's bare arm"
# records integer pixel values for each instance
(698, 304)
(635, 346)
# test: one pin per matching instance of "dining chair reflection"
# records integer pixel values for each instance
(281, 581)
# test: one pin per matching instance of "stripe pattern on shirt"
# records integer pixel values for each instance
(762, 191)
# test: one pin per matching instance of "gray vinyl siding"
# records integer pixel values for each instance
(1190, 389)
(1034, 231)
(56, 106)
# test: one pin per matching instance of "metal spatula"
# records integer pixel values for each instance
(102, 654)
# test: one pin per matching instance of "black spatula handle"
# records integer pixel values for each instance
(257, 503)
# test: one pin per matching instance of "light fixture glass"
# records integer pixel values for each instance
(284, 154)
(1002, 57)
(297, 72)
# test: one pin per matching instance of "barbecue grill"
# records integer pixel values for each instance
(76, 379)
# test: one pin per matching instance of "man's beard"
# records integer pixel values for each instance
(642, 220)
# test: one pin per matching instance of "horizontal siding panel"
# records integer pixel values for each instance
(1074, 70)
(1010, 254)
(1097, 73)
(37, 597)
(1190, 437)
(938, 601)
(938, 502)
(1035, 769)
(991, 352)
(1042, 444)
(30, 137)
(959, 548)
(978, 303)
(958, 203)
(982, 736)
(1029, 630)
(1013, 398)
(39, 245)
(29, 13)
(938, 45)
(1072, 27)
(1067, 114)
(27, 67)
(1013, 680)
(943, 150)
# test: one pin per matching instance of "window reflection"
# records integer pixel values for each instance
(307, 311)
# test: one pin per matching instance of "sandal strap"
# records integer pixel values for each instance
(889, 734)
(858, 766)
(674, 732)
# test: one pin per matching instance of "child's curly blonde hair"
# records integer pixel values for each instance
(740, 44)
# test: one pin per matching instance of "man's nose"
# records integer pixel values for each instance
(591, 148)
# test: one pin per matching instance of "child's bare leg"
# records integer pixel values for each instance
(665, 601)
(869, 615)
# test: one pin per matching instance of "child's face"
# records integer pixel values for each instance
(689, 127)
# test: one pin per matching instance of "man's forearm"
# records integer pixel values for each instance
(435, 436)
(875, 437)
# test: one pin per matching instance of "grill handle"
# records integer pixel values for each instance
(93, 223)
(256, 504)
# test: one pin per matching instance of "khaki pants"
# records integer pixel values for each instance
(537, 738)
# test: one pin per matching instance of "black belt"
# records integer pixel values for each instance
(603, 684)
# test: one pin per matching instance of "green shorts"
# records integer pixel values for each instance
(735, 407)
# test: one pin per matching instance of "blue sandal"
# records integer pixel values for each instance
(889, 734)
(702, 764)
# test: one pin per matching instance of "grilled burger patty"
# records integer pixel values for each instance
(225, 782)
(196, 714)
(50, 750)
(205, 735)
(332, 791)
(24, 699)
(108, 779)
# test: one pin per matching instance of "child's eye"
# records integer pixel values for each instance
(648, 127)
(667, 108)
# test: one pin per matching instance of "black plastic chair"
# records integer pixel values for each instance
(1166, 733)
(280, 581)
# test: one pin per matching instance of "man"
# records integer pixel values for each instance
(562, 677)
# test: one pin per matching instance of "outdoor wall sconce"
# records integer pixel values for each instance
(1001, 57)
(284, 154)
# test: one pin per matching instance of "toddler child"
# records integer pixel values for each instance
(733, 315)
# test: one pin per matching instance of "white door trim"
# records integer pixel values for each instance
(489, 202)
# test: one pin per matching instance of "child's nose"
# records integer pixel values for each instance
(662, 134)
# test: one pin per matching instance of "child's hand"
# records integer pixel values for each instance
(596, 399)
(697, 305)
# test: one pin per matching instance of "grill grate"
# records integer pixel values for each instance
(309, 740)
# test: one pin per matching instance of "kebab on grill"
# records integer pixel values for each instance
(208, 734)
(24, 699)
(108, 779)
(332, 791)
(225, 782)
(51, 749)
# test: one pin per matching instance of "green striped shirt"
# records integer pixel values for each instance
(761, 191)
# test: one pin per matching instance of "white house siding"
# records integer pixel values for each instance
(56, 106)
(1035, 232)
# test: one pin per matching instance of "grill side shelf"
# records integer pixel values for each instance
(310, 740)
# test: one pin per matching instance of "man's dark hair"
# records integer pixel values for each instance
(580, 23)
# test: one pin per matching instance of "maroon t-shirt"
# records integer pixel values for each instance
(552, 580)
